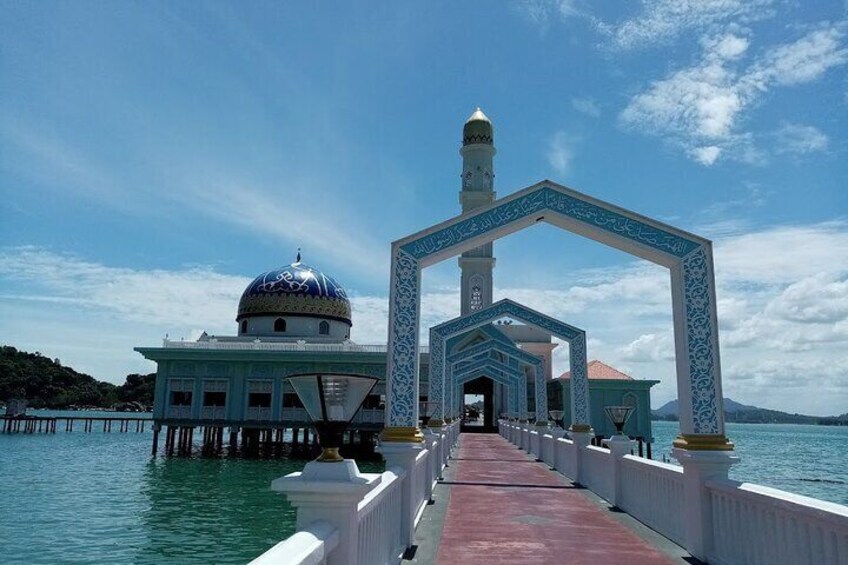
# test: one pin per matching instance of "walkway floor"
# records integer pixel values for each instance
(504, 507)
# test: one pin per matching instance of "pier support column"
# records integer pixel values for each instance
(698, 468)
(155, 449)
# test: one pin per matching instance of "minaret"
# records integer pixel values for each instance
(478, 178)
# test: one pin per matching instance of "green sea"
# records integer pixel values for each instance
(100, 498)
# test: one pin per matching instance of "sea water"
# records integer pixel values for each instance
(100, 498)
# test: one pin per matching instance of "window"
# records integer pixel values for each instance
(259, 400)
(476, 298)
(180, 398)
(279, 325)
(291, 400)
(214, 398)
(324, 328)
(244, 326)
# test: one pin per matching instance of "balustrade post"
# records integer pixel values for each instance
(581, 441)
(698, 468)
(403, 455)
(330, 492)
(431, 441)
(619, 446)
(533, 447)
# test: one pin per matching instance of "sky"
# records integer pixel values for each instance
(155, 157)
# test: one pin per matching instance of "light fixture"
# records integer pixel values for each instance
(556, 416)
(618, 415)
(425, 411)
(331, 400)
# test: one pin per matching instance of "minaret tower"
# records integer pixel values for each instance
(478, 178)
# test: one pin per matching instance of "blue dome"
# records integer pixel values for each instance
(295, 290)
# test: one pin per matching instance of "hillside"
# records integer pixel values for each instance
(46, 383)
(736, 412)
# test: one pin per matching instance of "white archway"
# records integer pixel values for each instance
(688, 258)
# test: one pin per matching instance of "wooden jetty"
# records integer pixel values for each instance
(49, 424)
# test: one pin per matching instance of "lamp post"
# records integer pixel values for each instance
(331, 488)
(556, 416)
(618, 415)
(425, 410)
(331, 400)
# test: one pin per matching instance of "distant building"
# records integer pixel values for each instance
(608, 387)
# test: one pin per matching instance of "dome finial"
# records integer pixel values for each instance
(297, 261)
(478, 129)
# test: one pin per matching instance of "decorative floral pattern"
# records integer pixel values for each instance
(402, 382)
(551, 199)
(702, 342)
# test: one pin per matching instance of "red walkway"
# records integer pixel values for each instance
(506, 508)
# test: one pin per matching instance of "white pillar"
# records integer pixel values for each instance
(698, 468)
(330, 492)
(619, 446)
(581, 441)
(403, 454)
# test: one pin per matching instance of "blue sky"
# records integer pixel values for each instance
(155, 157)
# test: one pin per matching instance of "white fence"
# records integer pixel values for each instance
(307, 547)
(753, 524)
(748, 524)
(652, 492)
(378, 525)
(235, 344)
(379, 517)
(598, 471)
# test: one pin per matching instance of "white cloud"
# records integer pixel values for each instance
(799, 139)
(561, 152)
(699, 108)
(586, 105)
(649, 347)
(662, 20)
(782, 305)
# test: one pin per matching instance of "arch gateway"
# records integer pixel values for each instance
(688, 258)
(575, 337)
(483, 352)
(511, 377)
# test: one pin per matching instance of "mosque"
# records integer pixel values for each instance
(297, 319)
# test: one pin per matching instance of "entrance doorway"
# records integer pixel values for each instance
(481, 393)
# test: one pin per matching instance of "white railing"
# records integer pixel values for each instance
(422, 485)
(259, 345)
(307, 547)
(547, 442)
(746, 523)
(753, 524)
(565, 458)
(652, 492)
(597, 471)
(379, 537)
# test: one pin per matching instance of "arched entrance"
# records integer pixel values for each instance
(575, 337)
(688, 258)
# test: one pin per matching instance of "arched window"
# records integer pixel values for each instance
(324, 328)
(279, 325)
(476, 298)
(244, 326)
